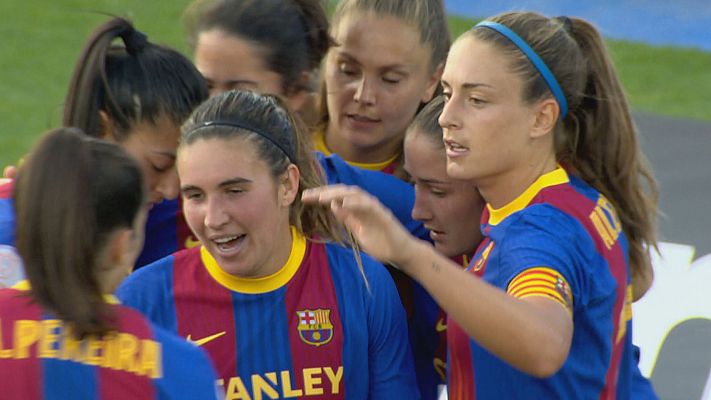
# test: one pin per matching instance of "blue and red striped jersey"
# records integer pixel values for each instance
(41, 359)
(7, 214)
(562, 240)
(314, 328)
(11, 269)
(426, 324)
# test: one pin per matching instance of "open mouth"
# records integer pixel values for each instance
(229, 244)
(454, 147)
(362, 119)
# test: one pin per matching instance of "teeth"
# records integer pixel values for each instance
(225, 239)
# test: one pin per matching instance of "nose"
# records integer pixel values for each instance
(168, 185)
(448, 118)
(215, 215)
(365, 92)
(421, 210)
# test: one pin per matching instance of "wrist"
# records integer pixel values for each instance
(411, 251)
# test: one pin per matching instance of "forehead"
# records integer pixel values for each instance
(380, 39)
(217, 51)
(424, 158)
(472, 60)
(218, 159)
(163, 135)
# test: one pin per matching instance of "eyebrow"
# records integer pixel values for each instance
(228, 182)
(232, 82)
(425, 180)
(468, 85)
(435, 181)
(389, 67)
(234, 181)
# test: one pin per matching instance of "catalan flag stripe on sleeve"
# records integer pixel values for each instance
(542, 281)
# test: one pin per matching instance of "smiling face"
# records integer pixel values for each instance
(449, 208)
(154, 146)
(376, 78)
(230, 62)
(234, 205)
(486, 123)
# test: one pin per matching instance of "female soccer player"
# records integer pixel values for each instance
(280, 305)
(267, 46)
(536, 117)
(81, 207)
(137, 95)
(386, 63)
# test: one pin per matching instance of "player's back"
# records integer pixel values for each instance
(41, 359)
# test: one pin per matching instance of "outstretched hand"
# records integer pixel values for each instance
(379, 233)
(9, 172)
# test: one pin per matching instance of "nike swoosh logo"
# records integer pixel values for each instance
(190, 242)
(441, 325)
(204, 340)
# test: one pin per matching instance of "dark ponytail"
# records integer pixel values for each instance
(72, 193)
(137, 82)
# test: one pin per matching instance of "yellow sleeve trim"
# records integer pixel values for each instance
(542, 281)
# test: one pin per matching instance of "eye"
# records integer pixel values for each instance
(447, 95)
(347, 69)
(193, 195)
(477, 101)
(438, 192)
(391, 79)
(160, 169)
(235, 190)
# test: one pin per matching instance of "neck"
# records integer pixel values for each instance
(377, 153)
(501, 189)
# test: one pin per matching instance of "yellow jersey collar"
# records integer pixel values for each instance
(24, 285)
(263, 284)
(556, 177)
(320, 145)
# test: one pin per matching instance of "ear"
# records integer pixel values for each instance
(545, 117)
(119, 247)
(433, 83)
(289, 185)
(106, 126)
(298, 97)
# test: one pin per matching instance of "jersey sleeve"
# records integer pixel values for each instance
(395, 194)
(187, 371)
(161, 233)
(7, 214)
(390, 362)
(545, 253)
(149, 290)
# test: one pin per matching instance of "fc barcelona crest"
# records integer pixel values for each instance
(315, 326)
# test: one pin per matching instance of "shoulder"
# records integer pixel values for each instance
(345, 259)
(154, 281)
(187, 370)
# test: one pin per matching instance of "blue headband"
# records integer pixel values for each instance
(534, 58)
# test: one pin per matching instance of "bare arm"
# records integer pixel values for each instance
(533, 335)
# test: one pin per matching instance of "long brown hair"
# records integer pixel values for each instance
(72, 193)
(597, 139)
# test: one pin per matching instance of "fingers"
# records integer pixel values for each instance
(9, 172)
